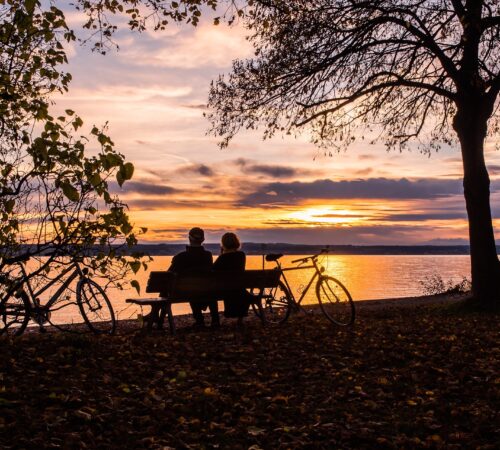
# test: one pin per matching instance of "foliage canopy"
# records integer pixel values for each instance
(396, 69)
(55, 191)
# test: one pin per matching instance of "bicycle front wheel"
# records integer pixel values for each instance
(335, 301)
(276, 304)
(95, 307)
(14, 314)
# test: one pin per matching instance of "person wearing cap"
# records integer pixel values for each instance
(196, 259)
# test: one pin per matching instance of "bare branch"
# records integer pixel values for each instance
(490, 22)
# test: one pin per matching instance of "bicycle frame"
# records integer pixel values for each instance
(92, 301)
(317, 275)
(34, 295)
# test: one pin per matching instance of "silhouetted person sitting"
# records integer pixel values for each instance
(193, 260)
(232, 258)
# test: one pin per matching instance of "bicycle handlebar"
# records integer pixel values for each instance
(307, 258)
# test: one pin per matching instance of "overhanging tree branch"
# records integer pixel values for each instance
(490, 22)
(407, 68)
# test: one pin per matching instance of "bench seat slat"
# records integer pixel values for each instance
(168, 283)
(146, 301)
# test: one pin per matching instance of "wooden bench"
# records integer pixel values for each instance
(201, 288)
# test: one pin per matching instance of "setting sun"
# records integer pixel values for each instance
(317, 216)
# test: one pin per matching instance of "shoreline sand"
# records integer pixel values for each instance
(183, 321)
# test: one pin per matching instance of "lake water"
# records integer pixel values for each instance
(367, 277)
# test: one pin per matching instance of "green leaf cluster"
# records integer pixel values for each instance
(54, 196)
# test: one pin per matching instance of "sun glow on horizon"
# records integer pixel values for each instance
(328, 216)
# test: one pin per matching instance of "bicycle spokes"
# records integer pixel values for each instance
(95, 307)
(276, 304)
(335, 301)
(329, 292)
(89, 297)
(13, 316)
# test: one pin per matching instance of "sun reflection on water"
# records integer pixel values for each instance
(367, 277)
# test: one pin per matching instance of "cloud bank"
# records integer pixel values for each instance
(372, 188)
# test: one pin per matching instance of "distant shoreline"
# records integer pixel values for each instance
(304, 249)
(253, 248)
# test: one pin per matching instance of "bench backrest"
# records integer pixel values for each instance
(216, 283)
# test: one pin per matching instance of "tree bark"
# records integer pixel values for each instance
(470, 123)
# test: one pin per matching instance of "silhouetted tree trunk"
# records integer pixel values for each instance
(475, 103)
(470, 123)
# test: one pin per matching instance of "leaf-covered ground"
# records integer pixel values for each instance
(402, 378)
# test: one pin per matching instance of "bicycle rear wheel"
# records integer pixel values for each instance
(14, 314)
(276, 304)
(95, 307)
(335, 301)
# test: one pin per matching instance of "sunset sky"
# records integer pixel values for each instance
(153, 91)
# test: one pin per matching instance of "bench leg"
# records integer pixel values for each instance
(262, 316)
(153, 316)
(161, 316)
(170, 317)
(258, 310)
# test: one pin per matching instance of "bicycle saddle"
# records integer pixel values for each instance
(273, 256)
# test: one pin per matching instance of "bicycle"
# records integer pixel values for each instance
(20, 302)
(333, 297)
